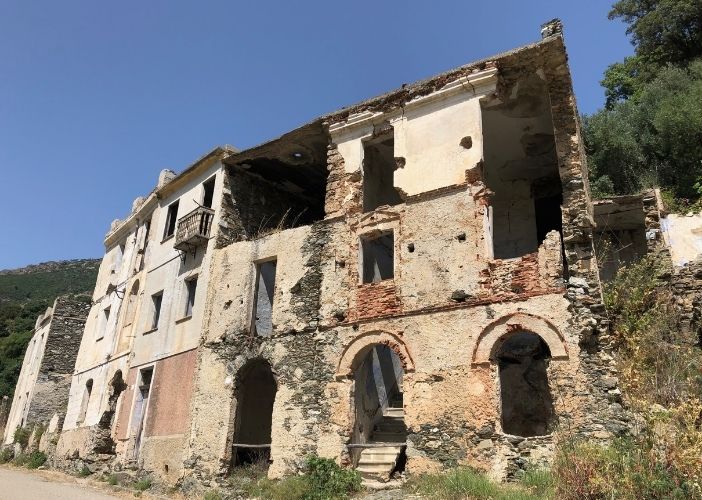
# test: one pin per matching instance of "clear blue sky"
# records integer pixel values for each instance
(97, 97)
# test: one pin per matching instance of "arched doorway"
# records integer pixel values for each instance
(104, 443)
(379, 432)
(255, 392)
(525, 399)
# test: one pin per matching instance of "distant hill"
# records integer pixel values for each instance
(25, 294)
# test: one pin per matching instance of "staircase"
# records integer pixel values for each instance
(378, 462)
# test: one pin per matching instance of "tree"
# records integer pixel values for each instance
(664, 32)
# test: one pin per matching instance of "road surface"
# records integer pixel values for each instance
(16, 484)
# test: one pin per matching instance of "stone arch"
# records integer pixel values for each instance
(355, 352)
(499, 331)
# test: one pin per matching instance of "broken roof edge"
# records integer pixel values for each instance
(216, 153)
(395, 98)
(119, 228)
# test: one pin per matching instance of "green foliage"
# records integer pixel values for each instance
(664, 32)
(84, 471)
(35, 459)
(21, 436)
(328, 480)
(142, 484)
(24, 295)
(626, 469)
(6, 455)
(464, 482)
(655, 139)
(112, 480)
(212, 495)
(322, 480)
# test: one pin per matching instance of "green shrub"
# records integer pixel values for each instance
(112, 480)
(21, 436)
(21, 459)
(212, 495)
(625, 469)
(6, 455)
(84, 471)
(36, 459)
(143, 484)
(329, 480)
(464, 482)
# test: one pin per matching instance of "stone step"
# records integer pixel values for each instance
(389, 437)
(394, 412)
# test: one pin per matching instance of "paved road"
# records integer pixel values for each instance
(21, 485)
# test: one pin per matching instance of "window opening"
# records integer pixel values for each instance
(171, 219)
(378, 258)
(379, 171)
(208, 192)
(263, 304)
(156, 299)
(85, 401)
(190, 288)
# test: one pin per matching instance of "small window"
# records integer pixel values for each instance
(208, 192)
(147, 230)
(171, 219)
(156, 298)
(263, 304)
(103, 322)
(190, 288)
(378, 256)
(379, 171)
(85, 401)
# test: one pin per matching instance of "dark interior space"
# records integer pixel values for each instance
(379, 172)
(378, 258)
(255, 395)
(278, 185)
(527, 405)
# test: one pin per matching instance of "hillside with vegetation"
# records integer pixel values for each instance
(25, 294)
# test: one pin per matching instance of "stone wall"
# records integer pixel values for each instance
(60, 351)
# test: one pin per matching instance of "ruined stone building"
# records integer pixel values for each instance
(41, 393)
(406, 284)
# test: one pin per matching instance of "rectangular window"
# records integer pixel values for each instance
(102, 328)
(156, 298)
(141, 403)
(379, 170)
(263, 298)
(208, 192)
(378, 257)
(190, 288)
(171, 220)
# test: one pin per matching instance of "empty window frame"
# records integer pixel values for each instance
(190, 289)
(378, 257)
(85, 401)
(171, 220)
(208, 192)
(104, 319)
(156, 300)
(379, 171)
(141, 403)
(263, 298)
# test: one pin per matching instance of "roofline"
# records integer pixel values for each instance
(217, 153)
(405, 92)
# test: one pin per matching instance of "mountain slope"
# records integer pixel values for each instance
(24, 294)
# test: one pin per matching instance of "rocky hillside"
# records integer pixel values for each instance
(27, 292)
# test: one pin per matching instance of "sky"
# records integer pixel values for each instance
(97, 97)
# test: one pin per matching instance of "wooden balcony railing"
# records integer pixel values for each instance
(194, 229)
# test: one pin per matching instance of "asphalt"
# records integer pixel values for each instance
(16, 484)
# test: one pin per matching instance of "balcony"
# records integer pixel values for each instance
(194, 229)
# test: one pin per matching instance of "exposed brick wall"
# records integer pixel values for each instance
(376, 299)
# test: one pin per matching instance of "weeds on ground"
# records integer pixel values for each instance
(112, 480)
(323, 479)
(464, 482)
(142, 484)
(84, 471)
(212, 495)
(35, 460)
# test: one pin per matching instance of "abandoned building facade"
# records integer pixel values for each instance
(406, 284)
